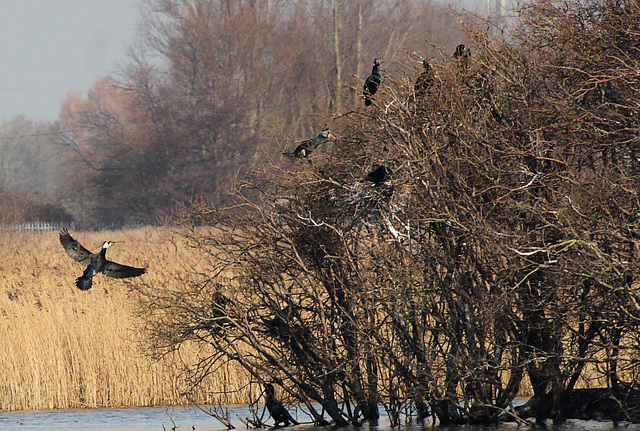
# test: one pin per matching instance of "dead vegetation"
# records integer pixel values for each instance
(502, 249)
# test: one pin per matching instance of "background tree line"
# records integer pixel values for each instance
(500, 252)
(29, 166)
(212, 87)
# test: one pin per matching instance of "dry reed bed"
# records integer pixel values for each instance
(64, 348)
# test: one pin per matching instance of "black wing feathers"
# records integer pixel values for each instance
(379, 175)
(425, 79)
(116, 270)
(74, 248)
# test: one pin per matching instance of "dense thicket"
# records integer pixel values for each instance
(214, 86)
(502, 250)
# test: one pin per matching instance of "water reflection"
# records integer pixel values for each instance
(189, 418)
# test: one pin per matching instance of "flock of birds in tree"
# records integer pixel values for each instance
(96, 263)
(380, 173)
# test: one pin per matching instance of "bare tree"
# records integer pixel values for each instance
(209, 91)
(448, 246)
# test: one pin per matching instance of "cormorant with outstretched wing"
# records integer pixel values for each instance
(95, 262)
(307, 146)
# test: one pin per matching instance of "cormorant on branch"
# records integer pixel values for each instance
(283, 329)
(95, 262)
(372, 82)
(462, 51)
(379, 175)
(425, 79)
(276, 408)
(307, 146)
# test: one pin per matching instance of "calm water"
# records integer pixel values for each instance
(188, 418)
(116, 419)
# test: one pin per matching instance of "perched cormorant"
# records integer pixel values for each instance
(379, 175)
(96, 262)
(372, 82)
(276, 409)
(425, 79)
(462, 51)
(307, 146)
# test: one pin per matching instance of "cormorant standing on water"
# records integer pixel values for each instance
(372, 82)
(276, 409)
(96, 262)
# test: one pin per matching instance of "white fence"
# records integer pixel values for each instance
(76, 226)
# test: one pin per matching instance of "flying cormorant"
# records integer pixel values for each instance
(96, 262)
(372, 82)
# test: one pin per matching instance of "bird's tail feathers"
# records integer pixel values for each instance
(84, 283)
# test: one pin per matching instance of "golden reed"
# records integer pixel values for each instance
(64, 348)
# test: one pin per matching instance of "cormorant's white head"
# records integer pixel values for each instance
(325, 134)
(107, 244)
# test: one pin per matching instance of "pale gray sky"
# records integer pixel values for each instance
(49, 47)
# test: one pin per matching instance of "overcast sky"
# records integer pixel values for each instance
(49, 47)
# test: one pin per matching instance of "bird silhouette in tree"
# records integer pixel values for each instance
(462, 52)
(379, 175)
(425, 79)
(372, 82)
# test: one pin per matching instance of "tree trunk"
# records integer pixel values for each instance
(358, 53)
(337, 96)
